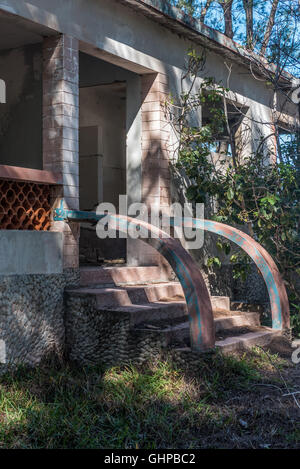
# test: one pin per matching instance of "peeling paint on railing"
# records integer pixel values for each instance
(197, 297)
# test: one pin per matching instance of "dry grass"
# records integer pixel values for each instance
(228, 402)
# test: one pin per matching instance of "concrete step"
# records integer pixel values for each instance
(122, 275)
(245, 306)
(237, 320)
(140, 288)
(149, 312)
(168, 291)
(117, 301)
(220, 302)
(179, 333)
(105, 297)
(261, 337)
(128, 295)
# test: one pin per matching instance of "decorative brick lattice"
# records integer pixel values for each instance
(24, 206)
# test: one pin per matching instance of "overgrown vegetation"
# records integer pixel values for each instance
(250, 178)
(227, 402)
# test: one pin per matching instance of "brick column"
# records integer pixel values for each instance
(155, 157)
(60, 131)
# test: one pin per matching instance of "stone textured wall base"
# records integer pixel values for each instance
(95, 337)
(32, 316)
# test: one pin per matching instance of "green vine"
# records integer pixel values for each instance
(249, 189)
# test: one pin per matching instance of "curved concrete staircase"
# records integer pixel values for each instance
(153, 303)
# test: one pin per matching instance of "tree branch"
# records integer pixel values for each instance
(205, 10)
(227, 9)
(269, 28)
(248, 7)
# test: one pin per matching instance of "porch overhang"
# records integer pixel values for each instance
(16, 31)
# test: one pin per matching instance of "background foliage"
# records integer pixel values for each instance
(257, 190)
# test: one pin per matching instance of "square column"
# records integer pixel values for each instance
(156, 185)
(155, 138)
(61, 132)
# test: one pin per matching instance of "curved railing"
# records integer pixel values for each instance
(273, 280)
(197, 297)
(196, 294)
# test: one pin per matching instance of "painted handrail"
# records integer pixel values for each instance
(276, 289)
(202, 330)
(197, 296)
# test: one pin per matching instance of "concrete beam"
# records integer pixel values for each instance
(30, 252)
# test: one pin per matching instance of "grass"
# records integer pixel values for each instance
(227, 402)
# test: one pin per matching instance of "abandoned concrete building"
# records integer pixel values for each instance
(83, 123)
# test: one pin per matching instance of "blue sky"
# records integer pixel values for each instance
(262, 10)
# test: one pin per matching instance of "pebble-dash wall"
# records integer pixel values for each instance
(32, 316)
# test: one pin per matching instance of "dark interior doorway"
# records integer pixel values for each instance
(102, 164)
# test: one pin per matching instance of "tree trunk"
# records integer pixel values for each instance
(269, 28)
(227, 9)
(248, 6)
(205, 10)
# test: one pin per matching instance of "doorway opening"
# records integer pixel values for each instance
(102, 153)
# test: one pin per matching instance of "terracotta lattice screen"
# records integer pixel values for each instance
(24, 206)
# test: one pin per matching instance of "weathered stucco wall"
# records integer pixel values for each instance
(129, 39)
(122, 36)
(30, 252)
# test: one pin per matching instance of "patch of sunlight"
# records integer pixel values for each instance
(157, 382)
